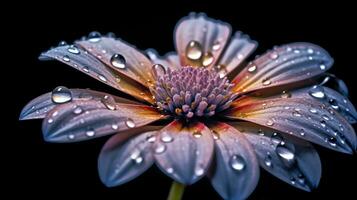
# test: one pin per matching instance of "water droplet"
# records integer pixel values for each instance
(61, 94)
(302, 132)
(77, 110)
(118, 61)
(252, 68)
(71, 136)
(296, 113)
(270, 122)
(325, 117)
(165, 137)
(323, 123)
(267, 161)
(285, 153)
(216, 46)
(54, 114)
(85, 69)
(90, 132)
(111, 35)
(274, 55)
(197, 134)
(130, 123)
(237, 162)
(266, 82)
(276, 138)
(158, 70)
(73, 49)
(207, 59)
(285, 95)
(151, 138)
(215, 135)
(240, 56)
(317, 92)
(199, 171)
(50, 120)
(297, 51)
(62, 43)
(170, 170)
(310, 51)
(115, 126)
(102, 78)
(194, 50)
(66, 58)
(160, 148)
(293, 181)
(94, 37)
(109, 102)
(313, 110)
(333, 104)
(322, 67)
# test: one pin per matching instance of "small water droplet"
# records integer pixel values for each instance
(197, 134)
(94, 37)
(293, 181)
(130, 123)
(237, 162)
(313, 110)
(115, 126)
(323, 123)
(118, 61)
(252, 68)
(276, 138)
(325, 117)
(267, 161)
(199, 171)
(322, 67)
(285, 94)
(215, 135)
(310, 51)
(216, 46)
(71, 136)
(332, 141)
(50, 120)
(297, 51)
(302, 132)
(240, 56)
(160, 148)
(102, 78)
(109, 102)
(66, 58)
(270, 122)
(194, 50)
(54, 114)
(61, 94)
(62, 43)
(207, 59)
(77, 110)
(73, 49)
(90, 132)
(158, 70)
(170, 170)
(333, 104)
(317, 92)
(151, 138)
(274, 55)
(296, 113)
(285, 153)
(266, 82)
(165, 137)
(85, 69)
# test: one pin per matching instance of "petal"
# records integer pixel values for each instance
(209, 37)
(169, 60)
(287, 65)
(122, 57)
(122, 159)
(90, 65)
(331, 81)
(184, 152)
(237, 169)
(40, 106)
(238, 49)
(83, 120)
(291, 160)
(301, 117)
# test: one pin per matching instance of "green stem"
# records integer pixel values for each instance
(176, 191)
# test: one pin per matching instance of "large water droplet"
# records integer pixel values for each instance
(158, 70)
(90, 132)
(317, 92)
(194, 50)
(207, 59)
(130, 123)
(285, 153)
(118, 61)
(73, 49)
(61, 94)
(237, 162)
(94, 37)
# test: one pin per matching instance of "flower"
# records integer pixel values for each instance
(221, 118)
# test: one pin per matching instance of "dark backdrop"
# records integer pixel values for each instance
(38, 169)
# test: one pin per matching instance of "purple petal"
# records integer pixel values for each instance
(301, 117)
(92, 66)
(238, 49)
(40, 106)
(237, 169)
(209, 36)
(291, 160)
(122, 159)
(184, 152)
(83, 120)
(288, 65)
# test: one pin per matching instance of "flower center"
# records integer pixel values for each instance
(189, 92)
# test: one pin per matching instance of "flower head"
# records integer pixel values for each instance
(266, 115)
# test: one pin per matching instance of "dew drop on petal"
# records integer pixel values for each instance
(115, 126)
(194, 50)
(197, 134)
(215, 135)
(285, 94)
(118, 61)
(317, 92)
(66, 58)
(62, 43)
(61, 94)
(102, 78)
(267, 161)
(71, 136)
(166, 138)
(310, 51)
(276, 138)
(158, 70)
(313, 110)
(77, 110)
(170, 170)
(252, 68)
(270, 122)
(274, 55)
(216, 46)
(322, 67)
(266, 82)
(109, 102)
(94, 37)
(332, 141)
(151, 138)
(90, 132)
(285, 153)
(73, 49)
(130, 123)
(207, 59)
(50, 120)
(237, 162)
(160, 148)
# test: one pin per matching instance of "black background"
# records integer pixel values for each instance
(38, 169)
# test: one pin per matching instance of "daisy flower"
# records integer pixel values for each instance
(202, 111)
